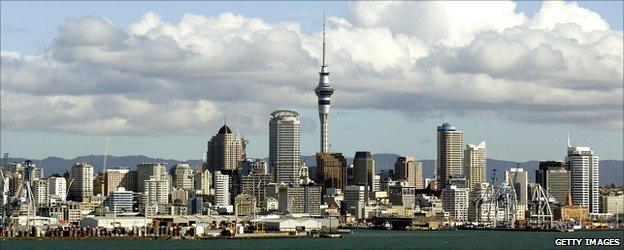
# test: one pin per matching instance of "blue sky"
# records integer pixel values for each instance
(30, 27)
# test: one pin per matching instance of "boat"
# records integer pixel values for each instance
(330, 235)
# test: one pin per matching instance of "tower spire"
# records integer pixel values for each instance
(323, 39)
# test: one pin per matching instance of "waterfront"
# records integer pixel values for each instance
(360, 239)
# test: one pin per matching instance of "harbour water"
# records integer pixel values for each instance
(360, 239)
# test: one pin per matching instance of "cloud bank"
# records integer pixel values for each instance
(483, 59)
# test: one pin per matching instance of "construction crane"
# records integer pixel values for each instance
(542, 214)
(102, 181)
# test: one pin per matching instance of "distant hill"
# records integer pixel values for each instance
(611, 171)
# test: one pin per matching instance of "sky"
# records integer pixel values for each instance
(159, 77)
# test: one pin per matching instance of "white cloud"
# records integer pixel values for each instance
(418, 58)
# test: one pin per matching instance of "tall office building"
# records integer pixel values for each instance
(157, 191)
(363, 168)
(406, 168)
(555, 179)
(203, 182)
(455, 202)
(450, 155)
(584, 177)
(221, 186)
(475, 164)
(518, 178)
(300, 199)
(81, 179)
(331, 170)
(116, 178)
(146, 171)
(183, 177)
(324, 91)
(364, 171)
(284, 146)
(226, 151)
(57, 188)
(195, 205)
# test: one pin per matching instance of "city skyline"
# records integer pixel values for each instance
(354, 117)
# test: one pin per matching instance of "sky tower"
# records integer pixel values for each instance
(324, 91)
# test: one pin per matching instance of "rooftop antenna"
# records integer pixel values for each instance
(323, 39)
(225, 119)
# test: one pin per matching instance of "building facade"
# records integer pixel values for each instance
(518, 178)
(450, 155)
(584, 177)
(226, 151)
(475, 164)
(332, 170)
(145, 171)
(116, 178)
(81, 188)
(221, 189)
(555, 179)
(300, 199)
(183, 177)
(455, 202)
(284, 146)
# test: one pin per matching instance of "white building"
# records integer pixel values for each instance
(519, 179)
(284, 145)
(57, 188)
(111, 221)
(146, 171)
(584, 177)
(156, 193)
(203, 182)
(475, 164)
(221, 186)
(455, 202)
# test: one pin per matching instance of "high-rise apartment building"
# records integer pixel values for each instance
(555, 179)
(284, 146)
(450, 155)
(156, 191)
(116, 178)
(226, 151)
(519, 179)
(183, 177)
(146, 171)
(584, 177)
(36, 173)
(221, 187)
(57, 188)
(81, 179)
(475, 164)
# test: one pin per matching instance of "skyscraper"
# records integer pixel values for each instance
(450, 156)
(518, 178)
(81, 188)
(332, 170)
(182, 176)
(225, 151)
(474, 164)
(555, 179)
(254, 183)
(40, 192)
(406, 168)
(364, 171)
(584, 169)
(147, 170)
(284, 145)
(324, 91)
(115, 178)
